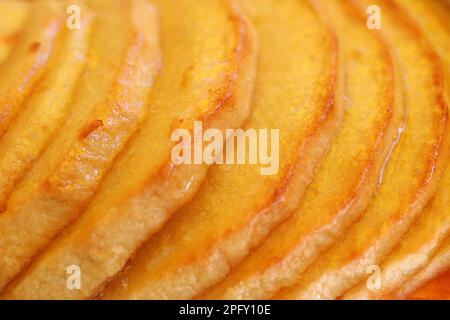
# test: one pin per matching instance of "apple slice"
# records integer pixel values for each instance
(237, 205)
(111, 101)
(46, 109)
(29, 58)
(437, 289)
(210, 53)
(334, 200)
(13, 16)
(424, 238)
(439, 265)
(411, 175)
(415, 251)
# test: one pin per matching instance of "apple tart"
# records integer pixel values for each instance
(224, 149)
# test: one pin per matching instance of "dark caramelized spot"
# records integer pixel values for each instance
(34, 46)
(3, 207)
(94, 125)
(177, 124)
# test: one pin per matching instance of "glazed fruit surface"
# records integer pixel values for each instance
(356, 208)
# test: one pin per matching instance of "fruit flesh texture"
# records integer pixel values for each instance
(411, 175)
(424, 293)
(437, 267)
(11, 24)
(27, 60)
(45, 110)
(219, 53)
(111, 103)
(422, 241)
(236, 206)
(437, 289)
(440, 263)
(334, 200)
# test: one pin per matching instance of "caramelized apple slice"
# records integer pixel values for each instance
(210, 53)
(411, 175)
(436, 289)
(110, 103)
(45, 110)
(334, 200)
(424, 238)
(439, 265)
(416, 249)
(29, 58)
(13, 15)
(237, 205)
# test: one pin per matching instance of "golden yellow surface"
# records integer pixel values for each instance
(104, 114)
(11, 25)
(29, 58)
(334, 200)
(237, 206)
(438, 266)
(88, 178)
(411, 176)
(125, 212)
(45, 109)
(422, 241)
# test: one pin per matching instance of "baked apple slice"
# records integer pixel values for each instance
(28, 59)
(424, 238)
(45, 110)
(437, 289)
(210, 53)
(438, 266)
(415, 251)
(410, 178)
(13, 16)
(237, 205)
(111, 101)
(348, 177)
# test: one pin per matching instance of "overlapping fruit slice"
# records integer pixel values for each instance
(415, 250)
(45, 109)
(438, 267)
(237, 205)
(209, 51)
(437, 289)
(10, 24)
(422, 241)
(334, 200)
(28, 59)
(411, 175)
(111, 100)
